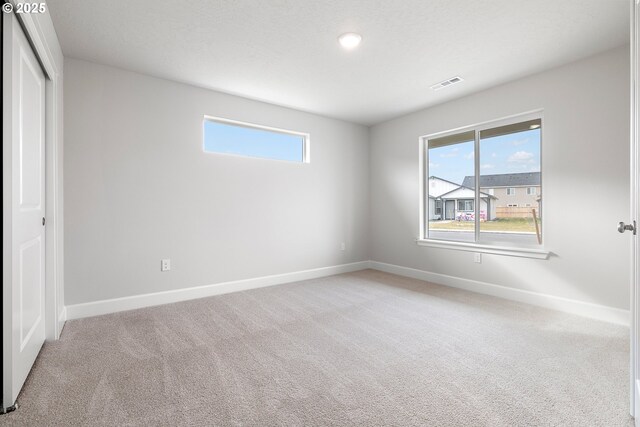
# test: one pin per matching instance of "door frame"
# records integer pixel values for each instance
(39, 31)
(634, 209)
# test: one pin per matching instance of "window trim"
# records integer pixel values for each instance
(537, 252)
(510, 191)
(306, 138)
(464, 204)
(515, 251)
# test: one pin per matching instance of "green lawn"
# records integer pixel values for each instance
(503, 224)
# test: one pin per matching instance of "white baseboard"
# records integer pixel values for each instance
(96, 308)
(635, 401)
(62, 318)
(595, 311)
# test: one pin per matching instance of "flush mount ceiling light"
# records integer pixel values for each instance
(350, 40)
(534, 126)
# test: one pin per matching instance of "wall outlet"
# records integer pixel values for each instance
(477, 257)
(165, 265)
(343, 246)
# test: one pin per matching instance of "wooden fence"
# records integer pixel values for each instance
(513, 212)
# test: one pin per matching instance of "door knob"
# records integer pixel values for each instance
(622, 227)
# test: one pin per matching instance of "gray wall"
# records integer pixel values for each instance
(585, 163)
(138, 188)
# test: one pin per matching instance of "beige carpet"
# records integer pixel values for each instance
(365, 348)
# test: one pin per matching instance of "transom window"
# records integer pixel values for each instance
(224, 136)
(468, 175)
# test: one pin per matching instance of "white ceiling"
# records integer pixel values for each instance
(286, 51)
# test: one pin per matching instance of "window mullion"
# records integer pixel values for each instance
(476, 167)
(425, 190)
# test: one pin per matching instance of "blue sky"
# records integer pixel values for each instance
(513, 153)
(231, 139)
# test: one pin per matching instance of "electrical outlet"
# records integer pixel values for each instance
(477, 257)
(343, 246)
(165, 265)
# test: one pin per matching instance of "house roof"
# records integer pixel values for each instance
(462, 187)
(444, 180)
(504, 180)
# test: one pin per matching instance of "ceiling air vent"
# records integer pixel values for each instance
(448, 82)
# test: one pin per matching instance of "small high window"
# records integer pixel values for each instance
(243, 139)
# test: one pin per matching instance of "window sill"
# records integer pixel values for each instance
(486, 249)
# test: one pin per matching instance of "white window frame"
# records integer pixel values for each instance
(511, 191)
(537, 252)
(306, 138)
(464, 203)
(437, 206)
(532, 191)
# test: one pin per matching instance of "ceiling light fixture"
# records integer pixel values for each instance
(350, 40)
(536, 126)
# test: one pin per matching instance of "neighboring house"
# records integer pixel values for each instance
(448, 200)
(438, 187)
(517, 190)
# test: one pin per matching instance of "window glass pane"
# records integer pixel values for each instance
(510, 184)
(229, 138)
(449, 203)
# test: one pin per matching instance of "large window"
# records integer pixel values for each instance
(243, 139)
(484, 184)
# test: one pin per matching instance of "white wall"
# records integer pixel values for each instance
(585, 163)
(138, 188)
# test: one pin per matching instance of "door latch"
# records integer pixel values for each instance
(622, 227)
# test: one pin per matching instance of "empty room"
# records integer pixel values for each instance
(320, 213)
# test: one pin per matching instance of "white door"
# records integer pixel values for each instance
(635, 209)
(450, 209)
(24, 145)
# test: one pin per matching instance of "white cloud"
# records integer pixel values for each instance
(433, 165)
(494, 155)
(520, 157)
(487, 166)
(452, 153)
(469, 155)
(519, 142)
